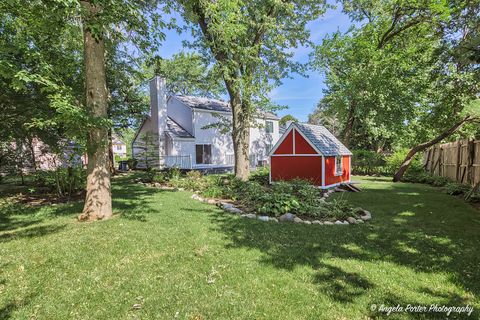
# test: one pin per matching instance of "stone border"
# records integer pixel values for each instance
(287, 217)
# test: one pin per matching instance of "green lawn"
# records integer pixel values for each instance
(173, 257)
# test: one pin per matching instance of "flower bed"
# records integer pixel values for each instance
(296, 201)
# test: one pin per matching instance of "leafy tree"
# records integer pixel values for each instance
(286, 118)
(247, 41)
(189, 74)
(394, 81)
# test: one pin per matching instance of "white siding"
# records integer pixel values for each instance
(180, 113)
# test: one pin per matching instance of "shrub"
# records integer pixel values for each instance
(368, 162)
(62, 181)
(261, 175)
(173, 173)
(277, 203)
(454, 188)
(159, 177)
(415, 169)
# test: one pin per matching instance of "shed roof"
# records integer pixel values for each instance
(323, 140)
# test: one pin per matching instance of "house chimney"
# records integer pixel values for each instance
(158, 111)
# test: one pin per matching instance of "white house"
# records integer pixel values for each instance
(119, 147)
(183, 131)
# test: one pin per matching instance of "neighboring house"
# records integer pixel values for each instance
(119, 147)
(183, 131)
(312, 153)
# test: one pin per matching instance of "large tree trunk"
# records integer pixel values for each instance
(98, 201)
(240, 136)
(408, 159)
(111, 156)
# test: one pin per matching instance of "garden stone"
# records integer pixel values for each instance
(234, 210)
(338, 222)
(345, 222)
(249, 215)
(226, 205)
(316, 222)
(307, 222)
(287, 217)
(211, 201)
(328, 222)
(263, 218)
(326, 195)
(365, 215)
(273, 219)
(351, 220)
(297, 220)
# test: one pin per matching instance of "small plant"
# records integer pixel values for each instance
(278, 203)
(455, 189)
(159, 177)
(173, 173)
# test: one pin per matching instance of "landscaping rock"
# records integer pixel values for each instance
(328, 223)
(249, 215)
(287, 217)
(307, 222)
(317, 222)
(326, 195)
(337, 189)
(234, 210)
(351, 220)
(365, 215)
(345, 222)
(273, 219)
(211, 201)
(338, 222)
(263, 218)
(226, 205)
(297, 220)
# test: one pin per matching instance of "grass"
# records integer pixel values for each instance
(166, 256)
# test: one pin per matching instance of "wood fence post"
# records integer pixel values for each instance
(470, 156)
(458, 163)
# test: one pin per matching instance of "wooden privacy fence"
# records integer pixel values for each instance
(458, 161)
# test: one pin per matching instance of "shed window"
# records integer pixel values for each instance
(269, 126)
(338, 166)
(203, 153)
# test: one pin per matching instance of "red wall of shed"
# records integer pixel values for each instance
(330, 177)
(292, 167)
(286, 147)
(302, 146)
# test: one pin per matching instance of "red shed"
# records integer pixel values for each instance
(312, 153)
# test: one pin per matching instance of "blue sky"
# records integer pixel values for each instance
(300, 94)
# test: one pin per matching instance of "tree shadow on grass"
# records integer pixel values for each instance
(427, 240)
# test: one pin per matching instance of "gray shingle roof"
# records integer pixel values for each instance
(175, 130)
(323, 140)
(213, 105)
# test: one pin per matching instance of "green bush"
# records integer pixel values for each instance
(62, 181)
(368, 162)
(455, 189)
(414, 172)
(159, 177)
(261, 175)
(173, 173)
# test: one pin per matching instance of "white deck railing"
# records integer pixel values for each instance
(181, 162)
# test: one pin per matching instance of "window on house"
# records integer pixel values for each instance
(269, 126)
(118, 147)
(203, 153)
(338, 165)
